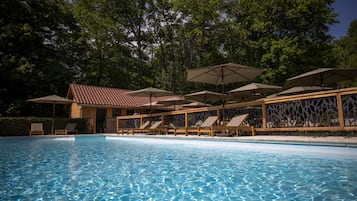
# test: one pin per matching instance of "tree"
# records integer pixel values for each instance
(285, 37)
(36, 37)
(345, 50)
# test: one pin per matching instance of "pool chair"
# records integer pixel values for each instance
(153, 129)
(37, 128)
(70, 128)
(132, 130)
(206, 127)
(236, 124)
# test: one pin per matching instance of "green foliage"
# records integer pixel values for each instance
(345, 51)
(38, 54)
(47, 44)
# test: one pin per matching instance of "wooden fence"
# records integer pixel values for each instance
(333, 110)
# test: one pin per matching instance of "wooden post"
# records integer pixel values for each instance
(341, 118)
(264, 116)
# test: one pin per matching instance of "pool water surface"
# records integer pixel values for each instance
(133, 168)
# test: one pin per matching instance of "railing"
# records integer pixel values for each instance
(333, 110)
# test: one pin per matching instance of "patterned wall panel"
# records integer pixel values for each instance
(303, 113)
(349, 103)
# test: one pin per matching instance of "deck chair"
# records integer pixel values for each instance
(236, 124)
(154, 128)
(206, 127)
(37, 128)
(70, 128)
(133, 130)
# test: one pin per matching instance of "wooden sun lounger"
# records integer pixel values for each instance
(70, 128)
(37, 128)
(154, 128)
(206, 127)
(236, 124)
(132, 130)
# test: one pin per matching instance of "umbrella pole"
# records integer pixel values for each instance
(53, 118)
(150, 102)
(222, 98)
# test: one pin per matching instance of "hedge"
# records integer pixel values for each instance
(20, 126)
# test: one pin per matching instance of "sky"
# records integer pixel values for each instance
(347, 10)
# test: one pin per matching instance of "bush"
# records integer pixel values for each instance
(20, 126)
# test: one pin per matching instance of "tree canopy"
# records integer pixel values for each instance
(47, 44)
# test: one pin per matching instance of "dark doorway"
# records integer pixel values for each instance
(100, 120)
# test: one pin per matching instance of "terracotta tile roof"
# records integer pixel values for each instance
(103, 96)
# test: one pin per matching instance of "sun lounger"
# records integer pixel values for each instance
(236, 124)
(37, 128)
(128, 130)
(154, 128)
(206, 127)
(70, 128)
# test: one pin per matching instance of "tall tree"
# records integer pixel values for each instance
(345, 50)
(286, 37)
(36, 37)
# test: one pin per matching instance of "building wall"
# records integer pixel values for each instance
(76, 110)
(90, 114)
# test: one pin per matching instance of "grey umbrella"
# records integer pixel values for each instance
(196, 104)
(255, 88)
(302, 89)
(223, 74)
(150, 92)
(52, 99)
(322, 77)
(205, 96)
(176, 100)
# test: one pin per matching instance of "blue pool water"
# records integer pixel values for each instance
(132, 168)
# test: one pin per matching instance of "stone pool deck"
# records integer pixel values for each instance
(328, 140)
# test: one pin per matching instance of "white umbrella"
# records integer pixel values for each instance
(52, 99)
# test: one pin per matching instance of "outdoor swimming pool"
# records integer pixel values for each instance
(133, 168)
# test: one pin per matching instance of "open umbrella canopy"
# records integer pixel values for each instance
(244, 97)
(176, 100)
(302, 89)
(322, 77)
(52, 99)
(255, 88)
(204, 96)
(196, 104)
(150, 92)
(223, 74)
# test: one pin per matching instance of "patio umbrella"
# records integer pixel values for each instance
(176, 100)
(241, 97)
(321, 77)
(223, 74)
(150, 92)
(52, 99)
(302, 89)
(255, 88)
(205, 96)
(196, 104)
